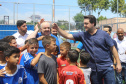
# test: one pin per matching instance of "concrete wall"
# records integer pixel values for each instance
(113, 23)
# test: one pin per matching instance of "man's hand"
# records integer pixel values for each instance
(118, 68)
(2, 73)
(36, 27)
(55, 26)
(41, 21)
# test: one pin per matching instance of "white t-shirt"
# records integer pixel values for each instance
(121, 49)
(21, 39)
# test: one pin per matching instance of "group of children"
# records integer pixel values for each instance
(44, 67)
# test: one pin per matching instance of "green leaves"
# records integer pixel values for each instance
(105, 5)
(96, 4)
(101, 18)
(79, 18)
(121, 4)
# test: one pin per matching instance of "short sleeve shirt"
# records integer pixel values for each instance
(80, 46)
(62, 62)
(48, 67)
(30, 70)
(87, 73)
(19, 77)
(41, 48)
(98, 45)
(21, 39)
(121, 49)
(2, 66)
(71, 75)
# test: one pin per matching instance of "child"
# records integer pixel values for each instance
(29, 60)
(3, 47)
(12, 41)
(84, 59)
(47, 63)
(15, 74)
(62, 62)
(55, 53)
(72, 74)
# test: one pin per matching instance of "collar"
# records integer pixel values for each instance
(18, 34)
(84, 67)
(94, 33)
(124, 39)
(41, 34)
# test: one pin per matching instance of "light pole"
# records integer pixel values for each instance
(117, 14)
(53, 10)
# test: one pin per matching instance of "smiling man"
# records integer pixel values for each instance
(98, 43)
(22, 33)
(45, 31)
(121, 43)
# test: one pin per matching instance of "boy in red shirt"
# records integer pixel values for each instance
(62, 62)
(72, 74)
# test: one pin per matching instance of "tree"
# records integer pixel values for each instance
(79, 18)
(120, 6)
(101, 18)
(96, 4)
(1, 21)
(123, 12)
(63, 24)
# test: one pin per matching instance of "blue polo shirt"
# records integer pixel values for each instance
(98, 45)
(80, 46)
(41, 48)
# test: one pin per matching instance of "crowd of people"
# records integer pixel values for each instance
(37, 57)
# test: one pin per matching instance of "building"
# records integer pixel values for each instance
(35, 18)
(113, 23)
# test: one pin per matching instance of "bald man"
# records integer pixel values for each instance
(44, 31)
(121, 43)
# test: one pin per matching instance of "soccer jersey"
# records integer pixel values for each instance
(19, 77)
(2, 66)
(32, 76)
(62, 62)
(71, 75)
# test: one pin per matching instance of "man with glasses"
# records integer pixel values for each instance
(22, 33)
(44, 31)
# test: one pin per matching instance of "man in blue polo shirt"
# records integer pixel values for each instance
(45, 31)
(98, 43)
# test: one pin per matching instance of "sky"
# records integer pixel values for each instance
(63, 10)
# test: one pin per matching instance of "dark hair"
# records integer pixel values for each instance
(26, 41)
(91, 18)
(32, 41)
(3, 45)
(73, 55)
(20, 22)
(57, 48)
(11, 50)
(8, 39)
(47, 40)
(85, 57)
(110, 28)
